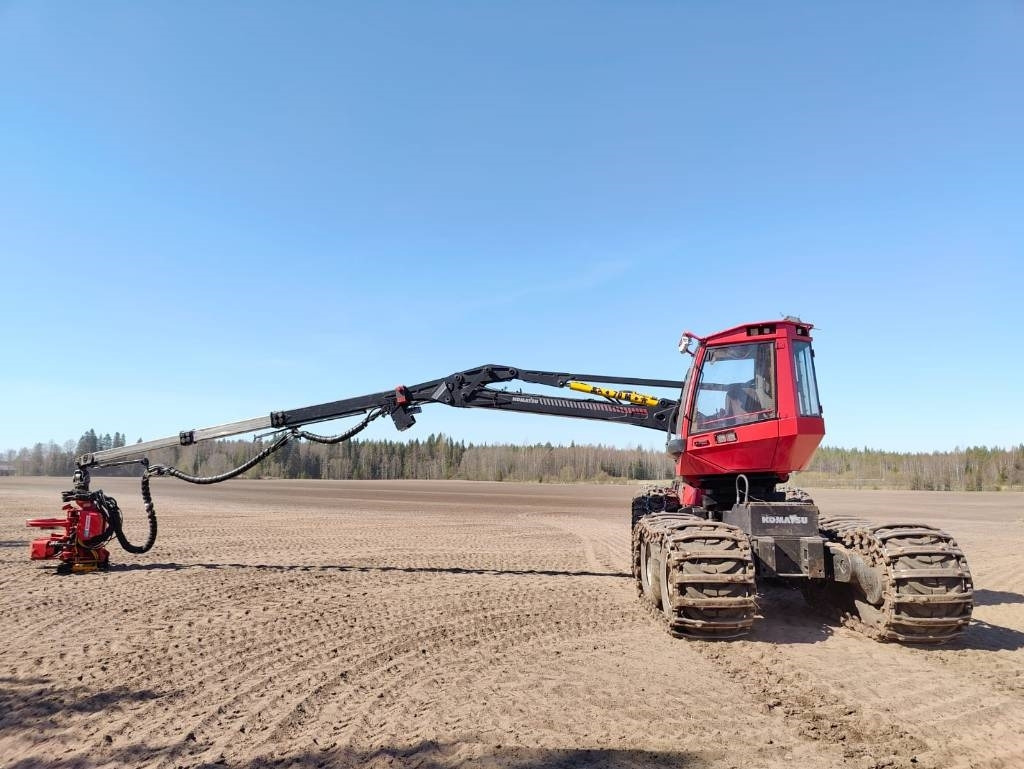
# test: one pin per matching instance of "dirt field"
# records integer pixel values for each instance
(444, 624)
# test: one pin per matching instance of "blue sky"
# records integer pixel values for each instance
(212, 211)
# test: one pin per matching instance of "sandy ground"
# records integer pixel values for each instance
(444, 624)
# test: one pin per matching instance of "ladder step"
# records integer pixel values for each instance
(929, 573)
(713, 603)
(941, 598)
(898, 552)
(708, 579)
(934, 638)
(900, 525)
(689, 536)
(706, 555)
(888, 532)
(903, 619)
(686, 622)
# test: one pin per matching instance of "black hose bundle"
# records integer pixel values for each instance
(345, 435)
(176, 473)
(115, 520)
(113, 513)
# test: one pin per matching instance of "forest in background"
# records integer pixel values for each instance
(440, 457)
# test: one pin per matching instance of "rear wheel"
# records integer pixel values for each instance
(918, 588)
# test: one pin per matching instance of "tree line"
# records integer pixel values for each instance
(440, 457)
(975, 468)
(436, 457)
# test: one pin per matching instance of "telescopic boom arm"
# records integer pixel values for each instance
(465, 389)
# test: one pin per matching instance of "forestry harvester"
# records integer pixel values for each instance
(747, 416)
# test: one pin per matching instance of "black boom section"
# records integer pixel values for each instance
(468, 389)
(323, 412)
(655, 417)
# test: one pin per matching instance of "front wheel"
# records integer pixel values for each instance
(651, 580)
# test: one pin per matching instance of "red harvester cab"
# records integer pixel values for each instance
(749, 406)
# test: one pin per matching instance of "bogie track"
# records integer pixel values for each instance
(924, 592)
(904, 582)
(698, 573)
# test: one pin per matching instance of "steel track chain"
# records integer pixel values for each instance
(927, 592)
(654, 499)
(707, 573)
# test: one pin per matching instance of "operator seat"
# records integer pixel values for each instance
(740, 401)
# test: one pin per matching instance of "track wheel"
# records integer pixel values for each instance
(709, 582)
(652, 575)
(665, 597)
(916, 587)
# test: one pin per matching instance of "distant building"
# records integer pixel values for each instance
(6, 468)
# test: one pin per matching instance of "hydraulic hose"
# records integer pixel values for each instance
(113, 512)
(115, 520)
(176, 473)
(345, 435)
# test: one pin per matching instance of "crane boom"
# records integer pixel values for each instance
(463, 389)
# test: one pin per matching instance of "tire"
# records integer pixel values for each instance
(666, 592)
(651, 574)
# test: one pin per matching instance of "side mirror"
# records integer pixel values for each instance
(675, 447)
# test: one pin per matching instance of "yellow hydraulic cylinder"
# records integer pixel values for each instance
(619, 395)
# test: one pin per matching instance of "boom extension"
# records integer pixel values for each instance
(464, 389)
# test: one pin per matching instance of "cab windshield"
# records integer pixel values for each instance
(736, 386)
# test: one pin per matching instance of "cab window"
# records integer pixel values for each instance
(806, 384)
(736, 386)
